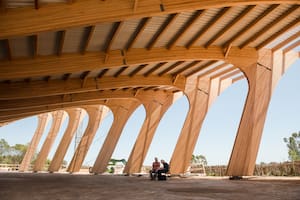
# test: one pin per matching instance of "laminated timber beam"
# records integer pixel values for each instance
(58, 118)
(122, 110)
(16, 109)
(43, 120)
(201, 93)
(73, 63)
(96, 115)
(20, 90)
(70, 100)
(155, 107)
(198, 96)
(244, 153)
(262, 77)
(23, 112)
(28, 21)
(75, 118)
(281, 62)
(157, 104)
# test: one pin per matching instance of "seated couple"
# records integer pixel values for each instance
(157, 170)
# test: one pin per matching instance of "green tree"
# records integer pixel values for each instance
(198, 163)
(11, 154)
(4, 147)
(18, 151)
(293, 144)
(199, 159)
(4, 151)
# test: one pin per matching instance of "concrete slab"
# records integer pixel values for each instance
(40, 186)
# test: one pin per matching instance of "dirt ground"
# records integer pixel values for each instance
(40, 186)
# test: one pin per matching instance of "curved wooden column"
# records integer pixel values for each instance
(197, 92)
(75, 117)
(57, 120)
(244, 153)
(96, 115)
(201, 93)
(263, 77)
(155, 106)
(122, 110)
(43, 120)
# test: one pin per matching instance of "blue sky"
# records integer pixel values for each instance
(216, 136)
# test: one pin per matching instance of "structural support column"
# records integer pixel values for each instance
(42, 123)
(155, 109)
(282, 60)
(96, 115)
(75, 117)
(197, 92)
(57, 120)
(122, 110)
(244, 153)
(263, 78)
(201, 92)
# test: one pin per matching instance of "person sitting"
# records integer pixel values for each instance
(164, 170)
(155, 168)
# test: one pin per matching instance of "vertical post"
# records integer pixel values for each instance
(42, 123)
(122, 110)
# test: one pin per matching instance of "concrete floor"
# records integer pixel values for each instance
(40, 186)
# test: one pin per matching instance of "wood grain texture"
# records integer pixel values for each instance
(27, 21)
(43, 120)
(57, 120)
(73, 63)
(96, 115)
(75, 118)
(72, 86)
(155, 110)
(244, 153)
(122, 110)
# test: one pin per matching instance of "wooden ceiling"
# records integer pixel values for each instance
(56, 52)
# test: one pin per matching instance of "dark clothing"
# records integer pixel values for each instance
(166, 167)
(164, 170)
(162, 177)
(159, 173)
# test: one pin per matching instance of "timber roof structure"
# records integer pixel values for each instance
(58, 54)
